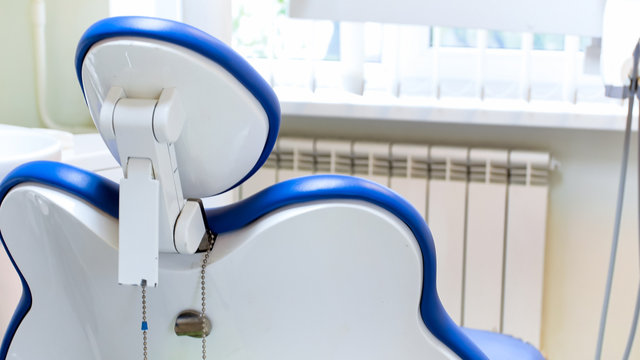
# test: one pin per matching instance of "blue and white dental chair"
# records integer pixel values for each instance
(322, 267)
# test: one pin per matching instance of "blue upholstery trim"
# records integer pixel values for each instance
(96, 190)
(200, 42)
(330, 187)
(24, 305)
(503, 347)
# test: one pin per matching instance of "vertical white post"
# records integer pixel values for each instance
(524, 264)
(482, 59)
(435, 71)
(569, 84)
(485, 239)
(352, 56)
(313, 56)
(446, 219)
(414, 53)
(390, 56)
(212, 16)
(525, 71)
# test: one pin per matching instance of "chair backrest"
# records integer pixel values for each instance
(314, 268)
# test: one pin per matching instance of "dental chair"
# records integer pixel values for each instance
(320, 267)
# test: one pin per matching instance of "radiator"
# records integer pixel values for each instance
(486, 208)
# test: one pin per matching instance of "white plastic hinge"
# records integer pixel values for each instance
(154, 216)
(189, 226)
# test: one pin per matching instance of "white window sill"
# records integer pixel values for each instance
(518, 113)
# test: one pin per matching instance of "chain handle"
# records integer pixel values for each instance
(145, 326)
(211, 237)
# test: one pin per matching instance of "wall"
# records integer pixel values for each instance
(580, 220)
(66, 21)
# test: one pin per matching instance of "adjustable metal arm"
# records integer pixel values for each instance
(154, 216)
(630, 91)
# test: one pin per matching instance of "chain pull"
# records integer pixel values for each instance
(211, 238)
(145, 326)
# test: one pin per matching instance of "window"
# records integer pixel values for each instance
(314, 64)
(409, 60)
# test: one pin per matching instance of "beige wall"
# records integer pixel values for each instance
(580, 220)
(66, 21)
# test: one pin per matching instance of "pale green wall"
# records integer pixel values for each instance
(66, 21)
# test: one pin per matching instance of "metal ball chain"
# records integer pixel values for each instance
(211, 238)
(205, 259)
(144, 319)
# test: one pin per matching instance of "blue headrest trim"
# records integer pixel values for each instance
(332, 187)
(95, 189)
(200, 42)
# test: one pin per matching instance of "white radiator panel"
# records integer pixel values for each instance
(484, 256)
(296, 158)
(371, 161)
(447, 202)
(484, 259)
(486, 210)
(262, 179)
(446, 219)
(333, 157)
(412, 190)
(525, 262)
(410, 174)
(524, 253)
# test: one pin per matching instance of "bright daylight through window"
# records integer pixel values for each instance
(325, 61)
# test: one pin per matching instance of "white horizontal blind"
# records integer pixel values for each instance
(486, 209)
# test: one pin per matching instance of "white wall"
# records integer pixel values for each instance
(580, 220)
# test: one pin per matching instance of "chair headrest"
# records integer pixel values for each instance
(232, 114)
